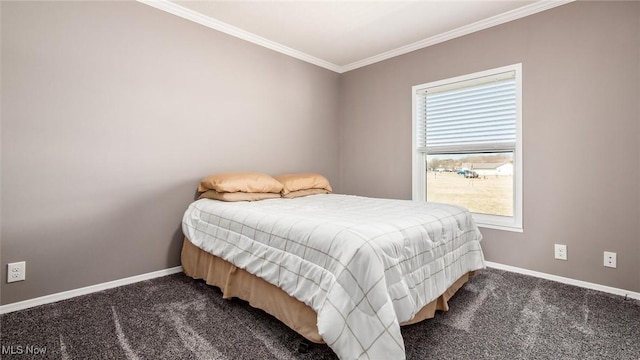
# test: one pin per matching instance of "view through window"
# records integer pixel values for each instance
(483, 183)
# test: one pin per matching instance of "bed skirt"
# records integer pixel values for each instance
(236, 282)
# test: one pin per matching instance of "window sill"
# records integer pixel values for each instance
(500, 227)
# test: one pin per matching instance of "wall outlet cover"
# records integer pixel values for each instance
(610, 259)
(560, 251)
(16, 271)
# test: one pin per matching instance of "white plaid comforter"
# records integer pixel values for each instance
(363, 264)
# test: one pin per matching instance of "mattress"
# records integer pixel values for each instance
(363, 265)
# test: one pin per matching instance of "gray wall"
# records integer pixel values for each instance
(581, 74)
(111, 114)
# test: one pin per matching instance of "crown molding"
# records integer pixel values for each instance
(458, 32)
(209, 22)
(196, 17)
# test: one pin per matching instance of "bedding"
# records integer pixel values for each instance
(364, 265)
(305, 192)
(238, 283)
(248, 182)
(303, 181)
(236, 196)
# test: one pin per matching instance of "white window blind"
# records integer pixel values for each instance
(472, 115)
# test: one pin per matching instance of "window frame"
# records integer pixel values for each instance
(419, 158)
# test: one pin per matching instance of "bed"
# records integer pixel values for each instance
(340, 269)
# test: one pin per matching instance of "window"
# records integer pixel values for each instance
(467, 145)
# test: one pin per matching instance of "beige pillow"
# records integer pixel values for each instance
(248, 182)
(237, 196)
(300, 193)
(296, 182)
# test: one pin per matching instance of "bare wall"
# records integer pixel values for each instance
(581, 128)
(111, 114)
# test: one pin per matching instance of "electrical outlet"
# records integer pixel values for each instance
(560, 251)
(16, 271)
(610, 259)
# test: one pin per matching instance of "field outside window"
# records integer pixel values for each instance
(483, 183)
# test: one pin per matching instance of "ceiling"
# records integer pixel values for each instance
(345, 35)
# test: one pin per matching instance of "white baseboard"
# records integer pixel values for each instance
(565, 280)
(21, 305)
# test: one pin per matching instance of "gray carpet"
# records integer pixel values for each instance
(496, 315)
